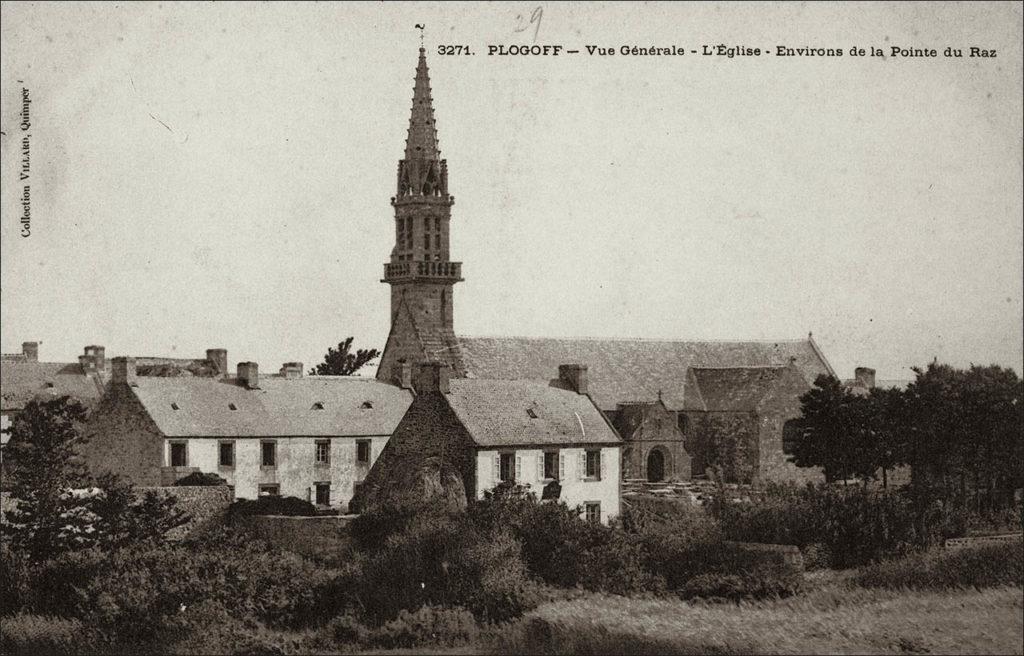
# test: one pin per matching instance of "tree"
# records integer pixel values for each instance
(342, 362)
(59, 507)
(834, 432)
(43, 467)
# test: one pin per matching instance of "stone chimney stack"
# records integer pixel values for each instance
(99, 356)
(249, 375)
(291, 370)
(431, 377)
(575, 376)
(30, 350)
(123, 370)
(864, 377)
(88, 363)
(402, 374)
(219, 358)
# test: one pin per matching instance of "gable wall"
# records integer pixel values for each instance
(123, 439)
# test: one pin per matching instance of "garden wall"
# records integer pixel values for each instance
(207, 505)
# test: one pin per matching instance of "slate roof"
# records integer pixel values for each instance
(738, 389)
(21, 381)
(279, 408)
(495, 412)
(622, 370)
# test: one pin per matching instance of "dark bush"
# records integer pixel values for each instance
(271, 505)
(33, 635)
(201, 479)
(429, 625)
(562, 550)
(966, 567)
(856, 526)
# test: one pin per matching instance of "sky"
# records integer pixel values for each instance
(219, 175)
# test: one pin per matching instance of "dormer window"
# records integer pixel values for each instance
(174, 406)
(367, 405)
(319, 405)
(232, 406)
(49, 384)
(533, 415)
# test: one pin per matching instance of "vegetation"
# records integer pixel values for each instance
(976, 567)
(959, 430)
(271, 505)
(342, 362)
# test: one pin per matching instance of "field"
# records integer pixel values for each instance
(832, 618)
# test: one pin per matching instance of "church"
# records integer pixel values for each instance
(682, 408)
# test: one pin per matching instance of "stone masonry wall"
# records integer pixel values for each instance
(207, 506)
(122, 439)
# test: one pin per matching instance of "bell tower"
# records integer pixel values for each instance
(421, 273)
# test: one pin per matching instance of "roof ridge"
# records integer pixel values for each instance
(591, 338)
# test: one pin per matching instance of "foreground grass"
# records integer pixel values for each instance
(833, 619)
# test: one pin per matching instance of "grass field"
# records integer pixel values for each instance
(832, 619)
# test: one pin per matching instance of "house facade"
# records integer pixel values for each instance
(545, 435)
(314, 437)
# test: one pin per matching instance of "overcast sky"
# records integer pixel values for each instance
(219, 175)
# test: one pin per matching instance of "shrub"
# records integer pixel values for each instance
(430, 625)
(855, 525)
(271, 505)
(346, 630)
(562, 550)
(201, 479)
(978, 567)
(32, 635)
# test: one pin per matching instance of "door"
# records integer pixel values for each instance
(655, 466)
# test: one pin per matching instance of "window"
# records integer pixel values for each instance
(790, 437)
(323, 452)
(363, 452)
(232, 406)
(269, 453)
(319, 405)
(270, 490)
(426, 241)
(174, 406)
(437, 224)
(593, 464)
(593, 511)
(506, 467)
(532, 413)
(367, 405)
(227, 454)
(323, 494)
(551, 465)
(179, 455)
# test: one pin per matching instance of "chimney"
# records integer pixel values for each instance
(99, 356)
(30, 350)
(864, 377)
(291, 370)
(401, 374)
(574, 375)
(88, 363)
(431, 377)
(219, 358)
(122, 370)
(249, 375)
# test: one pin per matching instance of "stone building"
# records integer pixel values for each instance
(310, 437)
(547, 435)
(649, 389)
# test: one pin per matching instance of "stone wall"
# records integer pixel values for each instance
(122, 439)
(428, 435)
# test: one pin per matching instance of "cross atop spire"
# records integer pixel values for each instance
(421, 142)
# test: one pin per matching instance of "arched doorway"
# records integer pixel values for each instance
(655, 465)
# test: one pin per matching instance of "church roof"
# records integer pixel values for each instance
(738, 389)
(22, 381)
(421, 142)
(524, 412)
(621, 370)
(314, 406)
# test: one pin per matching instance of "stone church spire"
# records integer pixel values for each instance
(420, 272)
(421, 142)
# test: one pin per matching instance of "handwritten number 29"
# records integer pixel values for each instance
(535, 17)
